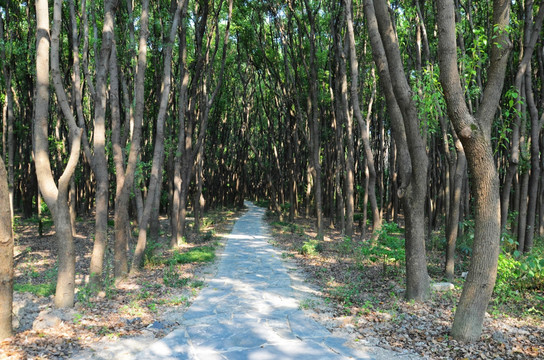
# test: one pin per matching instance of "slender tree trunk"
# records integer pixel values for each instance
(536, 125)
(354, 64)
(177, 232)
(100, 160)
(6, 256)
(349, 179)
(158, 151)
(454, 209)
(315, 124)
(387, 58)
(522, 222)
(531, 35)
(125, 183)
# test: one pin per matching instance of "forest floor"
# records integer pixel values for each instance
(362, 292)
(366, 288)
(146, 306)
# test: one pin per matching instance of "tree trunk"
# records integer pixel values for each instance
(177, 233)
(354, 64)
(387, 58)
(55, 197)
(158, 151)
(314, 124)
(454, 209)
(475, 135)
(100, 162)
(6, 256)
(125, 183)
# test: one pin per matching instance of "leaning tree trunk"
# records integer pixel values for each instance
(6, 256)
(55, 197)
(475, 135)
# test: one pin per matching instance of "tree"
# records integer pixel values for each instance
(125, 176)
(159, 141)
(362, 122)
(56, 197)
(474, 131)
(409, 142)
(6, 256)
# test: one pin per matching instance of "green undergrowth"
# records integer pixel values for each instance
(195, 255)
(520, 279)
(45, 289)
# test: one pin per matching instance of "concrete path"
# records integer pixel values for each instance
(249, 311)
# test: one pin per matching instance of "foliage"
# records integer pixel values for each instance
(389, 246)
(311, 247)
(150, 254)
(519, 273)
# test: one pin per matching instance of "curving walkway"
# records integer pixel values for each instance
(249, 311)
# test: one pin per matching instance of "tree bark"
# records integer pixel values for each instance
(100, 160)
(475, 135)
(314, 124)
(454, 209)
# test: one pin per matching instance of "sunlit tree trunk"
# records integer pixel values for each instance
(55, 197)
(158, 151)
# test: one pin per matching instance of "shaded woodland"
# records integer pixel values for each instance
(355, 114)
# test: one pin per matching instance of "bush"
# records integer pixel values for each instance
(172, 278)
(311, 247)
(518, 273)
(389, 246)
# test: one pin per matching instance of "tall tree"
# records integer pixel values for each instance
(158, 151)
(369, 156)
(125, 178)
(55, 197)
(474, 131)
(410, 145)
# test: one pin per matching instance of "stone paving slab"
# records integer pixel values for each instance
(249, 311)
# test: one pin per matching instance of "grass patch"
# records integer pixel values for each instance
(45, 289)
(196, 255)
